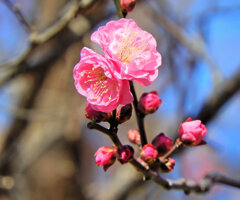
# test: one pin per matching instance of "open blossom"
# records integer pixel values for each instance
(132, 49)
(95, 80)
(191, 132)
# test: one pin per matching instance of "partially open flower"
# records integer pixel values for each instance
(149, 102)
(162, 143)
(168, 165)
(125, 153)
(134, 136)
(149, 153)
(191, 132)
(105, 156)
(96, 116)
(127, 5)
(124, 113)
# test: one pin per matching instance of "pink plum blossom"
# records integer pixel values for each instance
(95, 80)
(191, 132)
(132, 49)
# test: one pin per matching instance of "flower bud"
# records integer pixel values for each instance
(168, 165)
(124, 113)
(149, 102)
(149, 153)
(134, 136)
(162, 143)
(191, 132)
(95, 115)
(105, 156)
(127, 5)
(125, 153)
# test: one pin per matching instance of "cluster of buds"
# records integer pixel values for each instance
(123, 114)
(153, 156)
(106, 156)
(156, 155)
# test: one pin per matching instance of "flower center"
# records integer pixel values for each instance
(96, 78)
(130, 46)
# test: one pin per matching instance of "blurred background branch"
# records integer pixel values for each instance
(46, 152)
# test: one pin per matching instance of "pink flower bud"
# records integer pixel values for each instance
(191, 132)
(149, 153)
(168, 165)
(124, 113)
(105, 156)
(94, 115)
(134, 136)
(127, 5)
(162, 143)
(125, 153)
(149, 102)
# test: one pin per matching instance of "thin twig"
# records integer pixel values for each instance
(118, 7)
(108, 132)
(38, 38)
(176, 146)
(139, 116)
(195, 45)
(187, 186)
(20, 65)
(219, 98)
(15, 9)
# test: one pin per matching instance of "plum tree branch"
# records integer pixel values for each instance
(219, 98)
(37, 40)
(139, 116)
(196, 45)
(16, 11)
(187, 186)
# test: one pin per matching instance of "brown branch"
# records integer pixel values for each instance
(139, 116)
(219, 98)
(15, 9)
(108, 132)
(129, 188)
(37, 39)
(187, 186)
(195, 44)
